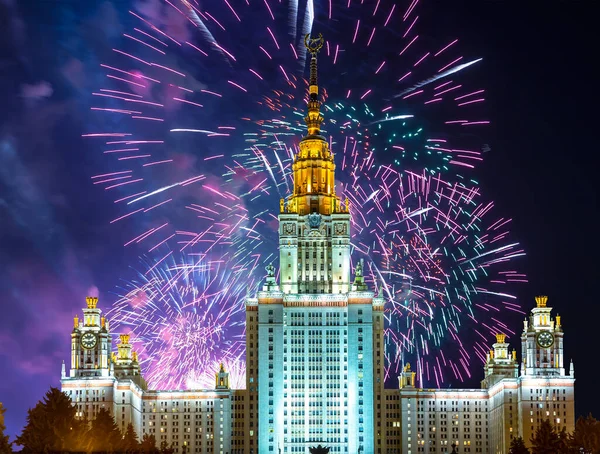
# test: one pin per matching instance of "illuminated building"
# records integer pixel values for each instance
(315, 345)
(315, 356)
(196, 421)
(511, 402)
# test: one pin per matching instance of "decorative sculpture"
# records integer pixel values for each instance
(319, 450)
(270, 270)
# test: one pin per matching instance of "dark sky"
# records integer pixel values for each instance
(56, 245)
(541, 166)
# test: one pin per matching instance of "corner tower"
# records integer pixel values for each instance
(90, 343)
(314, 225)
(546, 388)
(542, 342)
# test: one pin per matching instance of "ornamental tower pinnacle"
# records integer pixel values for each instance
(313, 167)
(542, 342)
(314, 226)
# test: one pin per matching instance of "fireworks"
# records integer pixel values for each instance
(182, 320)
(208, 125)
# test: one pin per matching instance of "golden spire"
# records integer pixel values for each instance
(500, 338)
(314, 118)
(124, 338)
(91, 302)
(76, 322)
(541, 301)
(313, 167)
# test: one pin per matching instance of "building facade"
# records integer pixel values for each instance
(315, 356)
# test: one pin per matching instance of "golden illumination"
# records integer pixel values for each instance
(124, 338)
(557, 321)
(91, 301)
(313, 166)
(76, 322)
(500, 338)
(541, 301)
(514, 355)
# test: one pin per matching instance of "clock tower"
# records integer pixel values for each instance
(542, 342)
(90, 343)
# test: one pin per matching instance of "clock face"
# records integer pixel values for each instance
(545, 339)
(88, 340)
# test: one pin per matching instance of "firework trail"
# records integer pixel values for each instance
(434, 250)
(180, 315)
(208, 124)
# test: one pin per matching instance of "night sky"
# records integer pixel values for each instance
(56, 244)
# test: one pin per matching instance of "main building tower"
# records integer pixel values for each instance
(315, 340)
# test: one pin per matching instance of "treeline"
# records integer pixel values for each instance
(585, 439)
(52, 427)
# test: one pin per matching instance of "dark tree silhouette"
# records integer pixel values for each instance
(5, 445)
(319, 450)
(586, 436)
(105, 435)
(130, 443)
(545, 440)
(517, 446)
(52, 426)
(166, 449)
(148, 444)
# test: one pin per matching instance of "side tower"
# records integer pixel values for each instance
(500, 381)
(546, 390)
(90, 343)
(315, 340)
(542, 342)
(90, 382)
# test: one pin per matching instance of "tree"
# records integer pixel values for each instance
(586, 436)
(319, 450)
(517, 446)
(105, 434)
(148, 444)
(165, 449)
(130, 443)
(5, 445)
(52, 426)
(545, 440)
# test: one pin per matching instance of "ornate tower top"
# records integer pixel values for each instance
(500, 338)
(91, 302)
(541, 301)
(313, 167)
(314, 118)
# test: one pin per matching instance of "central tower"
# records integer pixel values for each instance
(314, 346)
(314, 226)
